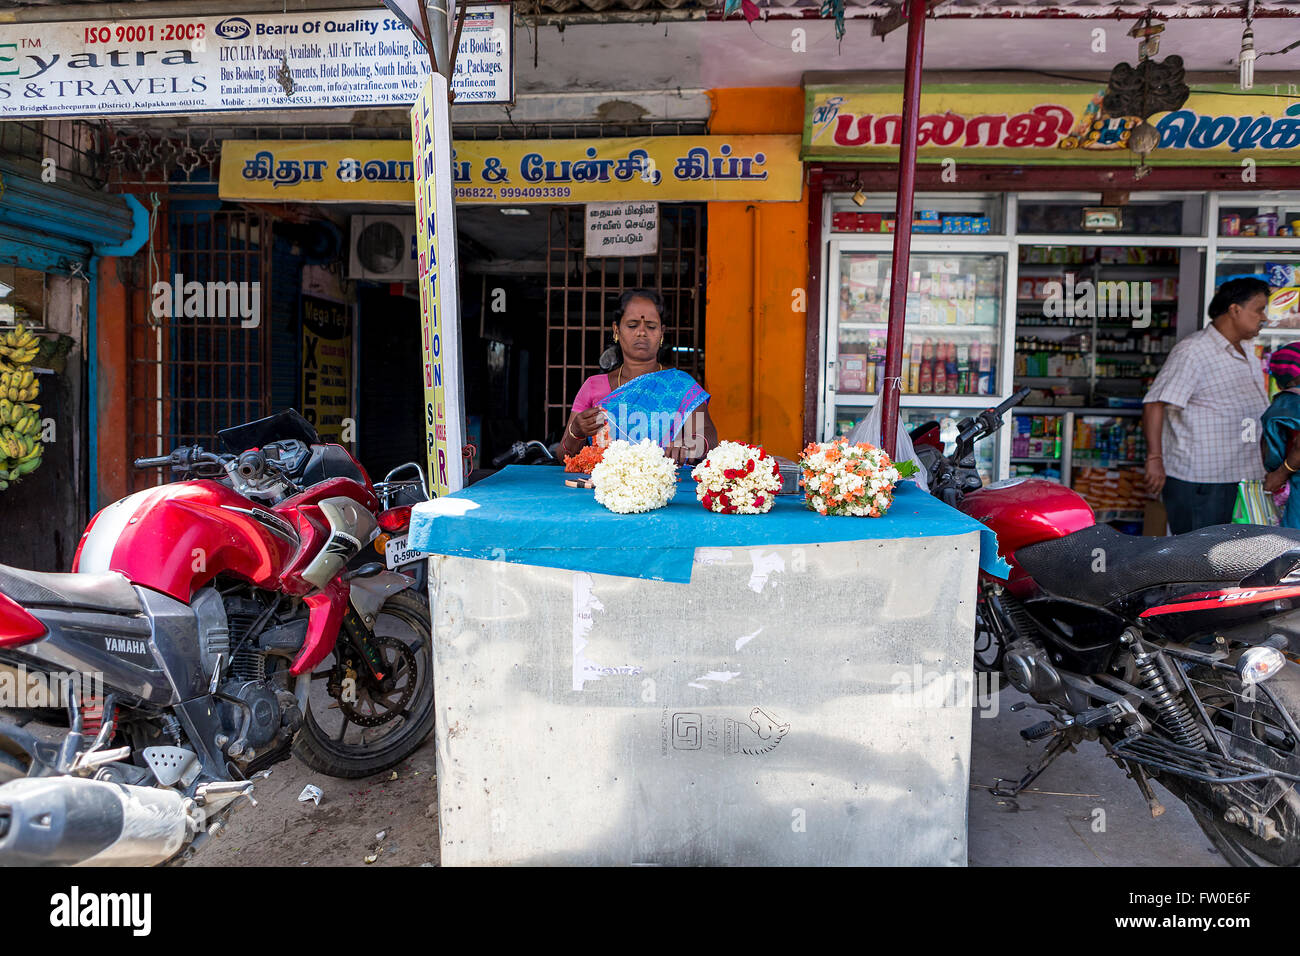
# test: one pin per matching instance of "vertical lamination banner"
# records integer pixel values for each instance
(439, 314)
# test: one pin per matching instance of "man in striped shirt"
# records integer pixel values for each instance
(1201, 417)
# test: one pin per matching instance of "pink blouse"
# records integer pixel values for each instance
(593, 391)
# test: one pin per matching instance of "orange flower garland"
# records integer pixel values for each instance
(844, 479)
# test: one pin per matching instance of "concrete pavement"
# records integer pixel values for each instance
(1083, 810)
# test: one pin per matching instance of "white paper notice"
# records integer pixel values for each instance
(622, 228)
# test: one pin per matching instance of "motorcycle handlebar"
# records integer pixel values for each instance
(1011, 402)
(515, 452)
(161, 462)
(251, 465)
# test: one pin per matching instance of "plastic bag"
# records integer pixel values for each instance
(868, 430)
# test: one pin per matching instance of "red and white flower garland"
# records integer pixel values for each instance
(737, 478)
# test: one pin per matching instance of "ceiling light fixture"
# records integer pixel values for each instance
(515, 212)
(1246, 59)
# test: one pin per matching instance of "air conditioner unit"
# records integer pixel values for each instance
(382, 248)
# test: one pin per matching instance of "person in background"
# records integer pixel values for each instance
(1200, 413)
(1280, 441)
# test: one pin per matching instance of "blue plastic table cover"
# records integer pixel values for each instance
(527, 515)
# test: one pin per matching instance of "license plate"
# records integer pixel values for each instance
(397, 554)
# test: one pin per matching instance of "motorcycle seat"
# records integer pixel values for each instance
(110, 592)
(1071, 567)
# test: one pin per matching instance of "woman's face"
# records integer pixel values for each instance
(640, 331)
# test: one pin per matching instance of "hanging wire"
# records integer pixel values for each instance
(152, 269)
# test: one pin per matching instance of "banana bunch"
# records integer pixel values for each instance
(25, 419)
(20, 420)
(18, 385)
(18, 346)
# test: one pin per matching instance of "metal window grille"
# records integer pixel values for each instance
(581, 294)
(139, 154)
(193, 375)
(74, 146)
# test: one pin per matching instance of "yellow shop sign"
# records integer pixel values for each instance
(652, 168)
(1046, 123)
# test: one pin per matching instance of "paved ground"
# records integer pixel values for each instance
(344, 830)
(1083, 811)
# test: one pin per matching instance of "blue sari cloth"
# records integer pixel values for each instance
(654, 406)
(1280, 420)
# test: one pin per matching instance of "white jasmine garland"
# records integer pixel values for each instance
(737, 478)
(634, 478)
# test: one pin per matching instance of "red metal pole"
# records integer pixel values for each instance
(903, 225)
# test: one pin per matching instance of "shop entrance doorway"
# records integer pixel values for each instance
(580, 294)
(536, 311)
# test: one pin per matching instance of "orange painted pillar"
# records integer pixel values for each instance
(755, 320)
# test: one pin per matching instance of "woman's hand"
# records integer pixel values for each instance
(1155, 476)
(588, 423)
(1275, 479)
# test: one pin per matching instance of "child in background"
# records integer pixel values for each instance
(1280, 444)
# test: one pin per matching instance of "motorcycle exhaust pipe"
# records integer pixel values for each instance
(72, 821)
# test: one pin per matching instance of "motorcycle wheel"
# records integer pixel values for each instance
(1238, 846)
(357, 739)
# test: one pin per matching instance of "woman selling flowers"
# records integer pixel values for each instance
(639, 397)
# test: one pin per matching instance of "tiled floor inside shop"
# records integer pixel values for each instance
(1083, 811)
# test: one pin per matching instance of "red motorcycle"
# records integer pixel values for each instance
(1177, 654)
(225, 630)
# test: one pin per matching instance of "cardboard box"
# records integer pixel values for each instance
(853, 373)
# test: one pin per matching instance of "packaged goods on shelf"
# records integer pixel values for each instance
(1037, 436)
(1111, 440)
(1284, 308)
(1110, 489)
(1280, 274)
(853, 373)
(856, 221)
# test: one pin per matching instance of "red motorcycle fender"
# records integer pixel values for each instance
(325, 610)
(369, 594)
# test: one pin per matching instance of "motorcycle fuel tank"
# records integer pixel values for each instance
(1024, 511)
(176, 537)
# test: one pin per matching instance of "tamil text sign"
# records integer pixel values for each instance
(1064, 123)
(513, 172)
(622, 228)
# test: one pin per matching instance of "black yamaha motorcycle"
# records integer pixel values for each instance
(1179, 655)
